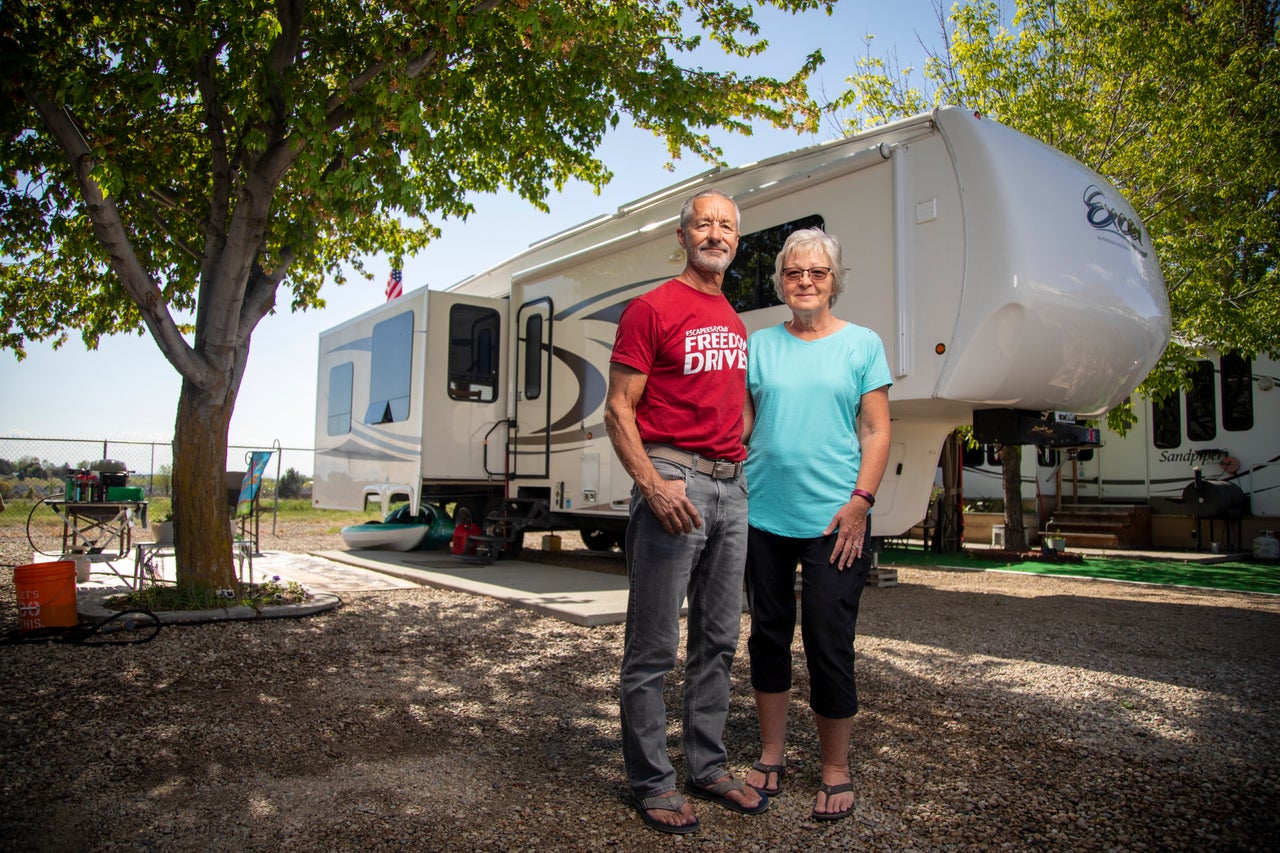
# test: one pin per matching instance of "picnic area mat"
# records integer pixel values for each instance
(1237, 575)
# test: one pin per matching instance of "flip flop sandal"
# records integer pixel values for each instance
(830, 791)
(766, 769)
(672, 802)
(718, 792)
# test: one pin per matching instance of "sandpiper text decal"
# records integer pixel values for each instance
(1104, 217)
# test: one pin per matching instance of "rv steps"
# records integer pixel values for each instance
(1120, 526)
(504, 529)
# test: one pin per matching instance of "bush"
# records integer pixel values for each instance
(291, 485)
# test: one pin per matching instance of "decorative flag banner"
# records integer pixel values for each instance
(393, 284)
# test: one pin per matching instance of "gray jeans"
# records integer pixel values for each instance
(706, 566)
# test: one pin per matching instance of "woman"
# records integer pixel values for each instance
(818, 411)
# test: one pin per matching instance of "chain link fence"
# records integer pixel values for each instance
(37, 467)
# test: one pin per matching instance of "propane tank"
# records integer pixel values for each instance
(1266, 546)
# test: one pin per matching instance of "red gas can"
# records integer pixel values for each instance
(462, 533)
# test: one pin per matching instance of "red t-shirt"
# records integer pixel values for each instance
(693, 348)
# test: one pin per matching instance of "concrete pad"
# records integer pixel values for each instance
(319, 573)
(576, 596)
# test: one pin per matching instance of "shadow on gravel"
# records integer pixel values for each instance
(425, 719)
(1153, 638)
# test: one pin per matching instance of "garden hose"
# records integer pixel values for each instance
(139, 626)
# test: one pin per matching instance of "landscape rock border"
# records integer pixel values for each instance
(92, 607)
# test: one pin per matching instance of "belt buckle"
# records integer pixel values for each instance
(723, 470)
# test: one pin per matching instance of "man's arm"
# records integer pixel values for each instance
(748, 418)
(666, 498)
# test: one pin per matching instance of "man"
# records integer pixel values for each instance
(674, 416)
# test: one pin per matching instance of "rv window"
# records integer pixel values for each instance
(1202, 414)
(1237, 393)
(341, 380)
(972, 457)
(1166, 423)
(390, 369)
(533, 357)
(473, 353)
(748, 283)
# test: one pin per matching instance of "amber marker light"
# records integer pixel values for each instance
(939, 348)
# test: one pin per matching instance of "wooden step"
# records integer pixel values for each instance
(1102, 509)
(1075, 525)
(1094, 518)
(1095, 525)
(1086, 540)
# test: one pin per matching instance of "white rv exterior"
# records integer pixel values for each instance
(998, 272)
(1227, 425)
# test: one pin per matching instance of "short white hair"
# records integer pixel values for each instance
(810, 238)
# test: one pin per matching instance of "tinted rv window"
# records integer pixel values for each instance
(748, 283)
(474, 336)
(1202, 411)
(1166, 423)
(1237, 393)
(533, 357)
(391, 367)
(341, 379)
(972, 457)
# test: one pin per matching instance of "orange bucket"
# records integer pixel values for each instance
(46, 595)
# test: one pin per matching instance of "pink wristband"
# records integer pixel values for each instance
(865, 495)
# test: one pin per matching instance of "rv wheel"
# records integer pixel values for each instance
(599, 540)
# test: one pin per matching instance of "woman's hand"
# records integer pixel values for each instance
(851, 521)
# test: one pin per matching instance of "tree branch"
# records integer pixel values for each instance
(110, 230)
(260, 295)
(203, 70)
(154, 216)
(414, 66)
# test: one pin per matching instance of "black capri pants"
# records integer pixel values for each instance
(828, 617)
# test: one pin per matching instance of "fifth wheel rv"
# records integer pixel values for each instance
(1226, 426)
(1000, 274)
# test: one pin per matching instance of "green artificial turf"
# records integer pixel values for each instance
(1238, 575)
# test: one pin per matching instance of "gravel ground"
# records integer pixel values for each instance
(1000, 712)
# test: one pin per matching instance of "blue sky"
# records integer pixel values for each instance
(125, 390)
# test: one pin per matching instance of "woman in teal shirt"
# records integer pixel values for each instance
(818, 412)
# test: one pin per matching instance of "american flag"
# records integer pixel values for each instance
(393, 284)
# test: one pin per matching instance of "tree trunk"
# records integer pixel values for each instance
(202, 521)
(1015, 535)
(948, 534)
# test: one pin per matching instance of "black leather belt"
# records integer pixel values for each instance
(716, 469)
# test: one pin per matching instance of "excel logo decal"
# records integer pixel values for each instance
(1104, 217)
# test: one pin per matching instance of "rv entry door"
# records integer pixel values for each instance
(531, 438)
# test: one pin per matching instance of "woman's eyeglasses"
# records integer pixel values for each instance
(816, 274)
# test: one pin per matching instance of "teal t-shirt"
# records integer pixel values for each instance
(803, 458)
